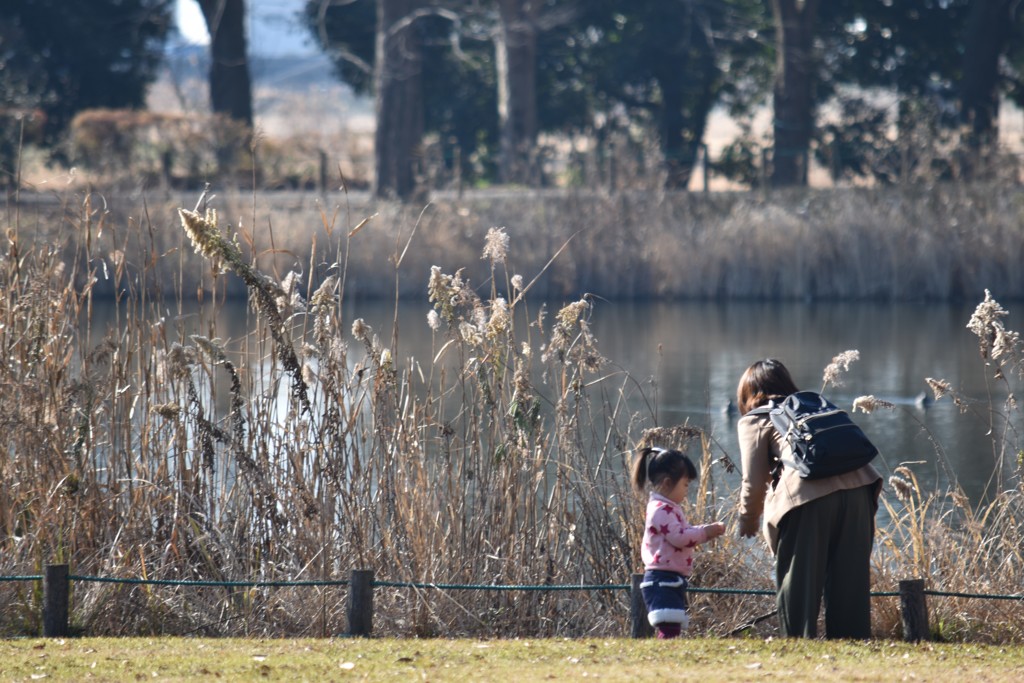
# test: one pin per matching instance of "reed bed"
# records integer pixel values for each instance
(941, 241)
(312, 447)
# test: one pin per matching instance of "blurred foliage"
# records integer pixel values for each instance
(66, 57)
(595, 60)
(58, 58)
(649, 71)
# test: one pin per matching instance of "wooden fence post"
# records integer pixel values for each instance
(640, 627)
(706, 171)
(914, 610)
(360, 603)
(55, 601)
(321, 182)
(763, 171)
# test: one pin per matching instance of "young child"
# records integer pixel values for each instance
(668, 539)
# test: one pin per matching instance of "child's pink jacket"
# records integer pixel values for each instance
(668, 539)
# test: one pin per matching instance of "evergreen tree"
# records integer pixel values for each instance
(63, 57)
(669, 63)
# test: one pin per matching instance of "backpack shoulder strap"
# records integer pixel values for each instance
(774, 463)
(762, 410)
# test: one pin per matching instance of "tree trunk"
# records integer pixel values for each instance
(687, 85)
(671, 129)
(398, 87)
(230, 86)
(794, 89)
(516, 65)
(987, 32)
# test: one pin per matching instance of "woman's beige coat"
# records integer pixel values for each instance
(760, 446)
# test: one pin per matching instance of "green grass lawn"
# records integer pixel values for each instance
(514, 661)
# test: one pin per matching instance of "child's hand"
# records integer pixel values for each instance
(715, 530)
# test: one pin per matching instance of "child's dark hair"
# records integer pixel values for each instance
(655, 465)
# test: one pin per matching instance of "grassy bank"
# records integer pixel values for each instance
(700, 659)
(311, 447)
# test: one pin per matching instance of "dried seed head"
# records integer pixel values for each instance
(360, 330)
(448, 293)
(214, 348)
(521, 380)
(994, 340)
(322, 303)
(496, 245)
(1005, 344)
(868, 404)
(987, 313)
(180, 359)
(435, 283)
(904, 490)
(169, 411)
(500, 319)
(480, 316)
(287, 296)
(324, 294)
(308, 374)
(223, 254)
(470, 333)
(202, 230)
(839, 365)
(939, 387)
(568, 322)
(433, 320)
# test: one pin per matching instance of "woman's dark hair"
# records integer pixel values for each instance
(763, 381)
(655, 465)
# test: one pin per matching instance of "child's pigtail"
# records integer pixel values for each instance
(655, 465)
(641, 467)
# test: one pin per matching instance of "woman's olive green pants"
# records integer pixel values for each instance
(824, 551)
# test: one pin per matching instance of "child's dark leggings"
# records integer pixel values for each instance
(668, 630)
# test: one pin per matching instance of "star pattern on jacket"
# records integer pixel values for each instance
(669, 540)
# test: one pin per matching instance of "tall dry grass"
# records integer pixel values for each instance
(935, 242)
(957, 546)
(312, 447)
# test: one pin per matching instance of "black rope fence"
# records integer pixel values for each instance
(57, 579)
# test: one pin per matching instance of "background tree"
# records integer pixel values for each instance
(662, 62)
(60, 58)
(992, 39)
(515, 48)
(793, 93)
(230, 84)
(670, 63)
(850, 52)
(398, 89)
(947, 63)
(455, 64)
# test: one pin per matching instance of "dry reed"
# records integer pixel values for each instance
(156, 452)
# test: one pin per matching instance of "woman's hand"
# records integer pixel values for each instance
(748, 526)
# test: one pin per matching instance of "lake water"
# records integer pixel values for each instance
(704, 348)
(688, 357)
